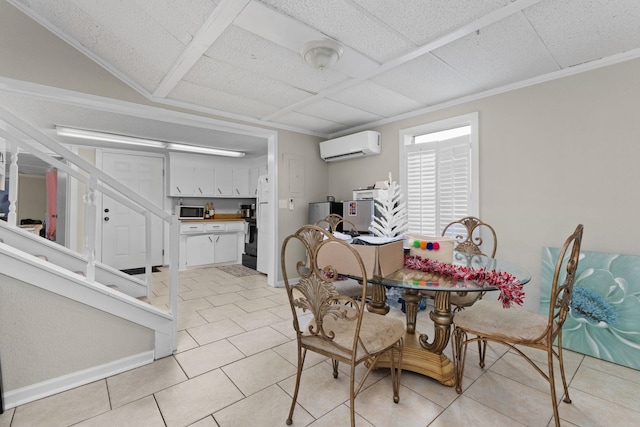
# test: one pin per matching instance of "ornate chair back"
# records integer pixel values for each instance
(467, 232)
(561, 294)
(332, 222)
(334, 325)
(516, 327)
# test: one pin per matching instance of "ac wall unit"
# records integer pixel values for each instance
(361, 144)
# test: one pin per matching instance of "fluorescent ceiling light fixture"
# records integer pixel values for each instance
(203, 150)
(107, 137)
(130, 140)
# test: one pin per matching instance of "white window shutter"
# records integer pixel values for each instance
(438, 184)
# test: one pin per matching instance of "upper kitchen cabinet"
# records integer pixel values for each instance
(191, 176)
(232, 181)
(208, 176)
(241, 181)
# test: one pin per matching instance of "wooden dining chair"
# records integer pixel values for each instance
(467, 233)
(333, 222)
(473, 237)
(339, 327)
(349, 287)
(517, 327)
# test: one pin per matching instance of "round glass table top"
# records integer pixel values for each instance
(414, 279)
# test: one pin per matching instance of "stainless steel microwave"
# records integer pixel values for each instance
(190, 212)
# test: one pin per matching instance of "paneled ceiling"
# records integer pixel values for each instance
(241, 59)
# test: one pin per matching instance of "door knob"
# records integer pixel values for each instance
(106, 210)
(106, 218)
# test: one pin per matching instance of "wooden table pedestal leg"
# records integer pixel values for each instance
(419, 355)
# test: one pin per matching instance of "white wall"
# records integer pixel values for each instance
(69, 335)
(551, 156)
(32, 198)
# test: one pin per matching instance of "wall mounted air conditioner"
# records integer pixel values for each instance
(361, 144)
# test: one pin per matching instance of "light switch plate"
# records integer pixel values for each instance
(291, 204)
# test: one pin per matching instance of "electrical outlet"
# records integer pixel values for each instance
(291, 204)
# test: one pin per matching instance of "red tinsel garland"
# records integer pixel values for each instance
(510, 287)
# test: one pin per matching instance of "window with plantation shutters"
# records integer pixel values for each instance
(439, 173)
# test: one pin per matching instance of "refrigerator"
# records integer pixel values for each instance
(264, 230)
(360, 213)
(320, 210)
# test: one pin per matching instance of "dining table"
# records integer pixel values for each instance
(423, 353)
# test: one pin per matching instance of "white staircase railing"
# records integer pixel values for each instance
(23, 137)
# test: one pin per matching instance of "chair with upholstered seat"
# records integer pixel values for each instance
(517, 327)
(467, 233)
(344, 286)
(339, 327)
(333, 222)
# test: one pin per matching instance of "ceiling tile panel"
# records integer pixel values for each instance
(343, 21)
(241, 58)
(221, 101)
(376, 99)
(302, 121)
(260, 56)
(426, 79)
(422, 21)
(502, 53)
(180, 21)
(338, 112)
(233, 80)
(119, 32)
(581, 31)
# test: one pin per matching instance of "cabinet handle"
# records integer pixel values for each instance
(217, 239)
(219, 192)
(237, 191)
(178, 188)
(200, 190)
(210, 239)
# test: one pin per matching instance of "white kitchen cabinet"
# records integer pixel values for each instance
(224, 180)
(205, 180)
(241, 181)
(210, 242)
(226, 247)
(200, 249)
(232, 181)
(191, 176)
(181, 178)
(207, 176)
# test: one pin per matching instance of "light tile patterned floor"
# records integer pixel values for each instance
(235, 367)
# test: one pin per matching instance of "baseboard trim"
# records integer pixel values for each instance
(50, 387)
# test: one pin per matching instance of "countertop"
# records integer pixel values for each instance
(217, 218)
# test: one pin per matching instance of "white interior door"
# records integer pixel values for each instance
(123, 230)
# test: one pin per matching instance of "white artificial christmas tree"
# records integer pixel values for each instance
(392, 219)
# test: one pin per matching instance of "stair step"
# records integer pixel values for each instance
(44, 257)
(144, 299)
(81, 273)
(114, 287)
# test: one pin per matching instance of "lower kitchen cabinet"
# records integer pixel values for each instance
(200, 249)
(217, 242)
(226, 247)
